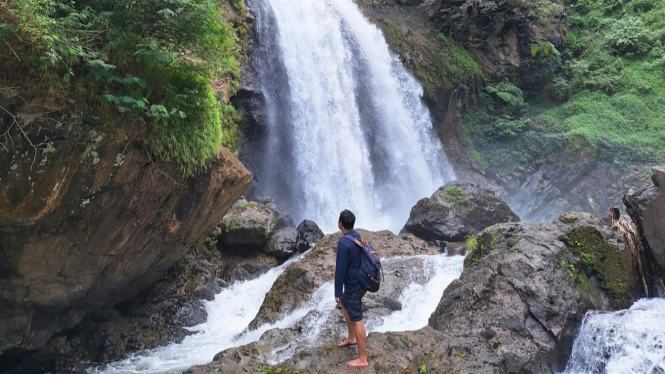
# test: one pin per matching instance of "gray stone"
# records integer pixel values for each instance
(283, 243)
(456, 211)
(246, 228)
(658, 176)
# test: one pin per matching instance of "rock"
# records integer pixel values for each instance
(658, 176)
(309, 234)
(241, 268)
(647, 209)
(310, 231)
(457, 210)
(515, 309)
(283, 243)
(301, 279)
(246, 228)
(284, 219)
(82, 233)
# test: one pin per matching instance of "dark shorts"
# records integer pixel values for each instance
(353, 302)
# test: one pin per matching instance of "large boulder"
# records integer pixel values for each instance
(283, 243)
(90, 222)
(647, 209)
(246, 228)
(515, 309)
(456, 211)
(309, 234)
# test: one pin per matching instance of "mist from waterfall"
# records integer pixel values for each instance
(344, 124)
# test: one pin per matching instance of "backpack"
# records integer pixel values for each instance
(370, 270)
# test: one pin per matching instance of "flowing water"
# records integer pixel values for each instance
(344, 123)
(629, 341)
(230, 313)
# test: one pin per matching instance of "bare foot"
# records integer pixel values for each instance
(357, 363)
(347, 343)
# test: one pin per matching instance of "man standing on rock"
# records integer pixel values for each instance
(346, 275)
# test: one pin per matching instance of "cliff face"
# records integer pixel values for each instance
(91, 221)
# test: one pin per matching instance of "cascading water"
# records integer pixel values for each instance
(344, 123)
(234, 308)
(623, 342)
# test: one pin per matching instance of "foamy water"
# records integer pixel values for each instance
(232, 310)
(628, 341)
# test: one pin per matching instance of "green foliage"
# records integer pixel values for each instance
(544, 49)
(422, 369)
(148, 62)
(629, 35)
(507, 92)
(278, 370)
(612, 86)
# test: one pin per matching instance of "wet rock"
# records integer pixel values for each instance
(457, 210)
(283, 243)
(284, 219)
(246, 228)
(647, 209)
(310, 231)
(83, 231)
(309, 234)
(239, 268)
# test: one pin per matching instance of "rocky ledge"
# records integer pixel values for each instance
(89, 223)
(515, 309)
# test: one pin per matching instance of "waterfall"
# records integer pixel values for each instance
(627, 341)
(344, 123)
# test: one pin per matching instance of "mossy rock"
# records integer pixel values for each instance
(610, 267)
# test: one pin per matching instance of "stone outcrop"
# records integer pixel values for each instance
(251, 228)
(515, 308)
(91, 223)
(246, 228)
(647, 209)
(456, 211)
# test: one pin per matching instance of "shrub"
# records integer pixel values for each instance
(629, 35)
(148, 62)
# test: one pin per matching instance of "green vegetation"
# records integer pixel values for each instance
(109, 63)
(422, 369)
(611, 89)
(478, 246)
(278, 370)
(457, 197)
(611, 265)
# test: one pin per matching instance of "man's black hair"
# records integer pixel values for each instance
(348, 219)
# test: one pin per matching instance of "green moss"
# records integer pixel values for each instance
(279, 370)
(457, 197)
(612, 265)
(478, 246)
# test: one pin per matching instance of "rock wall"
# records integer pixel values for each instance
(90, 221)
(647, 209)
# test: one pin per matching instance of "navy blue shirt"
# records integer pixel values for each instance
(348, 263)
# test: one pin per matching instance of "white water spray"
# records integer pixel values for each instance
(234, 308)
(229, 314)
(629, 341)
(345, 123)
